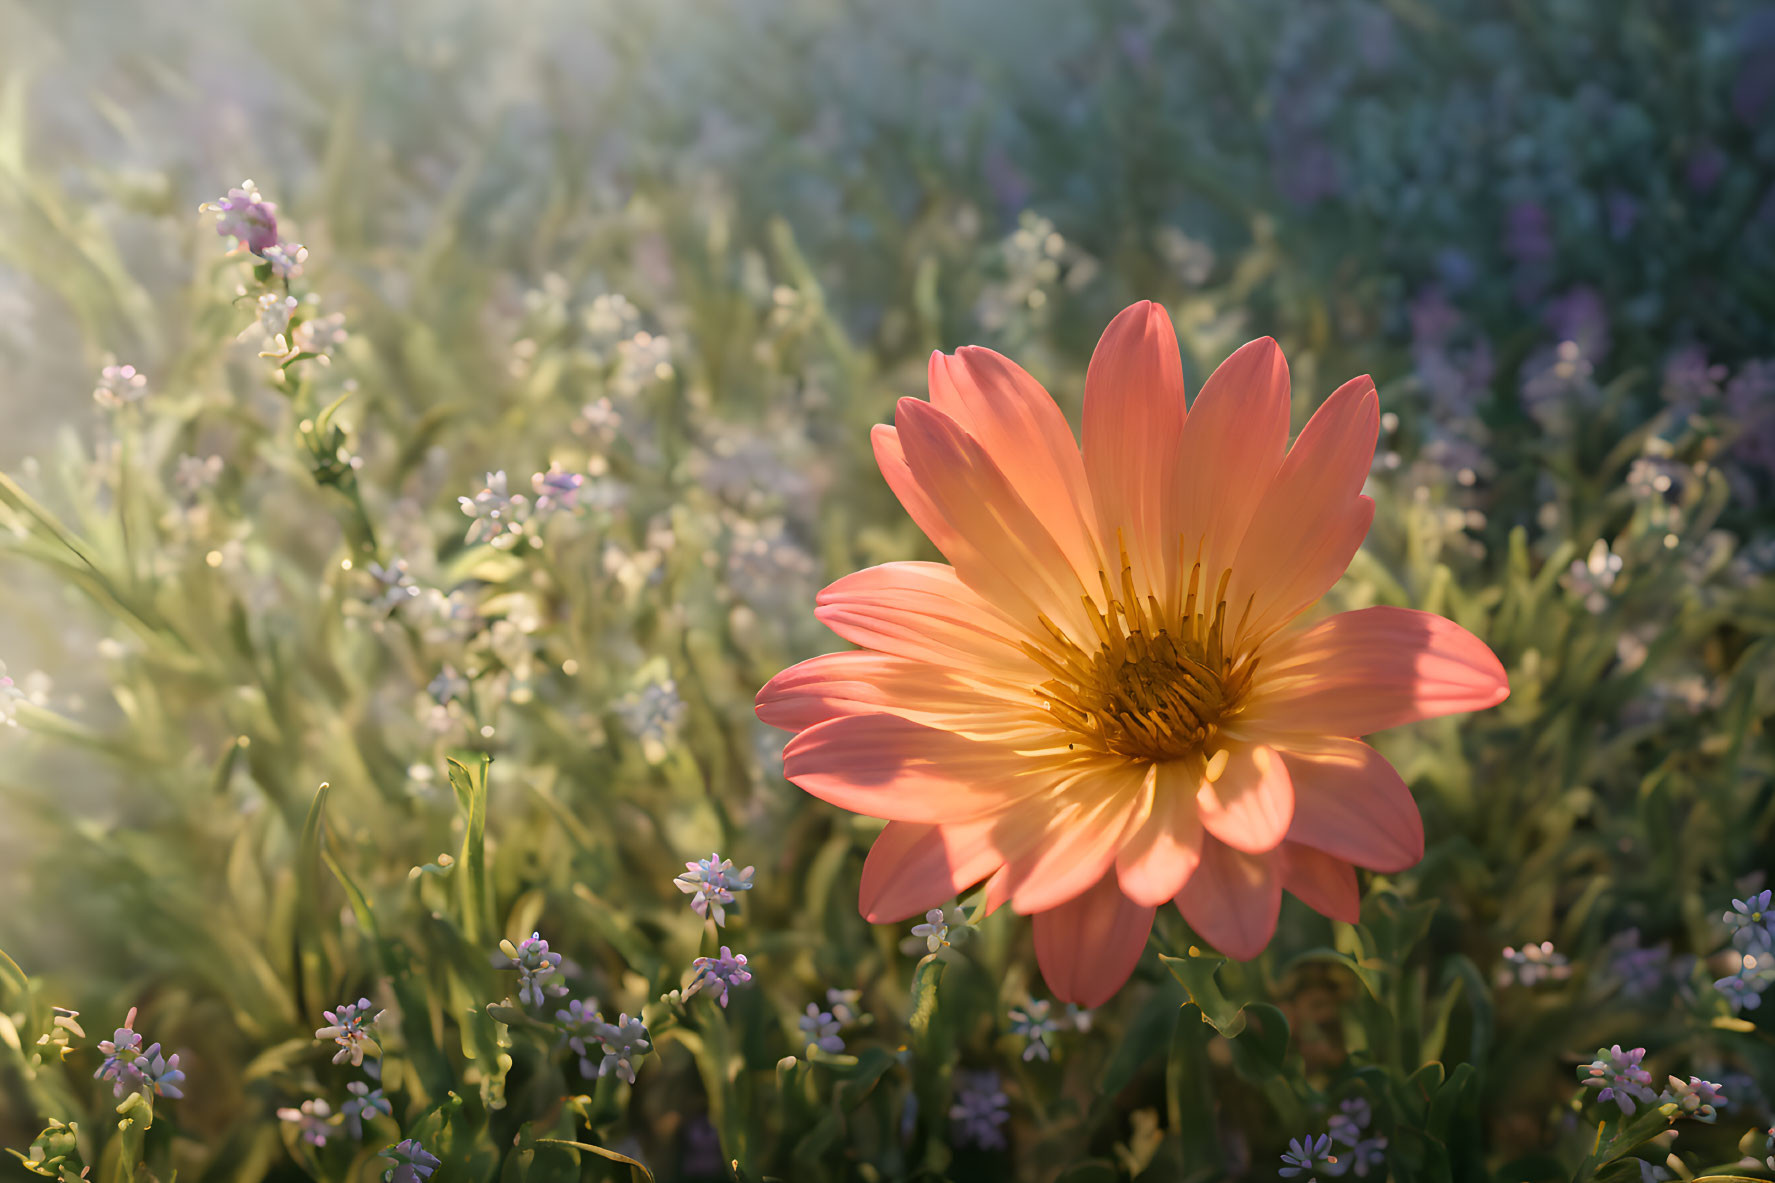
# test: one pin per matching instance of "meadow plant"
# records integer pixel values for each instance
(406, 588)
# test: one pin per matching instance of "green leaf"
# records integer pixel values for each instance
(12, 978)
(638, 1170)
(1146, 1036)
(1259, 1051)
(474, 900)
(1196, 972)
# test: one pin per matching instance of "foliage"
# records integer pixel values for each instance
(336, 702)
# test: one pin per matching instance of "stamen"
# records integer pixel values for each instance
(1156, 685)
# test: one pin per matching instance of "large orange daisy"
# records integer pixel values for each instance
(1106, 699)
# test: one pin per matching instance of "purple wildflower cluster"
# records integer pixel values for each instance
(718, 975)
(711, 884)
(620, 1044)
(535, 964)
(349, 1026)
(1620, 1077)
(132, 1068)
(1346, 1148)
(980, 1110)
(1751, 923)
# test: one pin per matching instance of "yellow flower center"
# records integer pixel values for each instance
(1156, 687)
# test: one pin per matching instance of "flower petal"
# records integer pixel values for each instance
(1360, 672)
(1232, 446)
(913, 868)
(1021, 428)
(997, 545)
(1312, 518)
(1350, 803)
(1250, 805)
(1323, 883)
(888, 767)
(923, 611)
(1134, 416)
(862, 683)
(1233, 899)
(1164, 848)
(1081, 831)
(1088, 946)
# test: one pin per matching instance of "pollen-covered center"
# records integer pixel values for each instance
(1158, 685)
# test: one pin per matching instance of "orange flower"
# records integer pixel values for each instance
(1105, 701)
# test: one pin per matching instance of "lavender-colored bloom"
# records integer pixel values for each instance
(843, 1005)
(1364, 1156)
(1618, 1076)
(1347, 1124)
(1533, 964)
(161, 1075)
(1621, 212)
(396, 581)
(246, 216)
(534, 963)
(718, 974)
(1580, 317)
(448, 685)
(1752, 922)
(822, 1029)
(313, 1121)
(1034, 1023)
(1305, 1155)
(120, 384)
(412, 1162)
(1743, 990)
(582, 1025)
(556, 489)
(1641, 971)
(349, 1027)
(942, 927)
(653, 714)
(498, 514)
(1694, 1097)
(624, 1042)
(980, 1110)
(286, 259)
(1651, 1174)
(364, 1105)
(122, 1065)
(711, 884)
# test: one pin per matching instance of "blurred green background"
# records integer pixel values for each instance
(1547, 230)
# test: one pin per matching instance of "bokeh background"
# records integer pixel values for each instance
(693, 249)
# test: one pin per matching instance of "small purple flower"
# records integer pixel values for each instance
(1618, 1076)
(364, 1105)
(1305, 1155)
(1694, 1097)
(1347, 1124)
(582, 1026)
(843, 1005)
(412, 1162)
(556, 489)
(161, 1075)
(624, 1043)
(1752, 922)
(313, 1121)
(286, 259)
(349, 1027)
(1744, 989)
(247, 216)
(124, 1056)
(1034, 1023)
(980, 1110)
(711, 883)
(533, 961)
(821, 1029)
(718, 974)
(498, 514)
